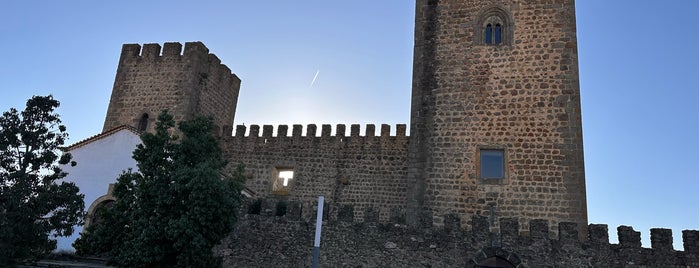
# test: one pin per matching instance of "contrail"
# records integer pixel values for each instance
(314, 79)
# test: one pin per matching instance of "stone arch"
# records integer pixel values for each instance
(495, 258)
(491, 18)
(100, 202)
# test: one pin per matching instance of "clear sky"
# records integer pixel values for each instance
(638, 72)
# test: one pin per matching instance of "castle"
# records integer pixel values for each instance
(491, 170)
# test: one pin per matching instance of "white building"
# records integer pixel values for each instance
(100, 160)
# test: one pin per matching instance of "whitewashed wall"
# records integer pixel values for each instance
(100, 162)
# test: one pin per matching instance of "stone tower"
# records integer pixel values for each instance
(495, 121)
(184, 83)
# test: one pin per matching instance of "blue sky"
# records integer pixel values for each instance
(637, 69)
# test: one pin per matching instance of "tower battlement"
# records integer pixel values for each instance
(326, 131)
(151, 78)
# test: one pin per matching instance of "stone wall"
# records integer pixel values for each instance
(351, 169)
(185, 83)
(265, 240)
(521, 97)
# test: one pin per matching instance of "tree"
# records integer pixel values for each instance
(176, 208)
(33, 204)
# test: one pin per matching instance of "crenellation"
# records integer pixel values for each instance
(449, 245)
(370, 130)
(130, 51)
(194, 82)
(452, 222)
(282, 130)
(150, 51)
(598, 233)
(171, 49)
(340, 130)
(254, 131)
(354, 130)
(661, 239)
(400, 130)
(628, 237)
(425, 219)
(326, 130)
(371, 214)
(690, 241)
(296, 130)
(267, 131)
(195, 50)
(539, 229)
(385, 130)
(509, 228)
(568, 232)
(214, 61)
(311, 130)
(479, 224)
(240, 131)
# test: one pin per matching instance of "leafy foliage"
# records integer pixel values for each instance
(176, 208)
(33, 205)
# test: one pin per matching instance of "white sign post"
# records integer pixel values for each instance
(319, 224)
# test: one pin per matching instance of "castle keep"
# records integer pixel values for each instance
(495, 148)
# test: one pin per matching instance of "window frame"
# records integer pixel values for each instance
(486, 27)
(277, 187)
(479, 166)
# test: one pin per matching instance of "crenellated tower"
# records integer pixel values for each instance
(185, 83)
(495, 121)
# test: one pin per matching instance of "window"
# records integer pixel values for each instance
(492, 164)
(143, 123)
(489, 34)
(498, 34)
(494, 27)
(493, 31)
(281, 180)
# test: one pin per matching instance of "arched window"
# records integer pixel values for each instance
(494, 27)
(489, 34)
(498, 34)
(143, 123)
(493, 30)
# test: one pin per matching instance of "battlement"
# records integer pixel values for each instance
(312, 131)
(271, 228)
(509, 228)
(188, 81)
(196, 51)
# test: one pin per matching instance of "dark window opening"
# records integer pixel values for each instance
(492, 164)
(143, 123)
(489, 34)
(498, 34)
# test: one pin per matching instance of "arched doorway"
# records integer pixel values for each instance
(495, 257)
(495, 262)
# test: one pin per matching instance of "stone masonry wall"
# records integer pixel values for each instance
(185, 83)
(521, 96)
(264, 240)
(351, 169)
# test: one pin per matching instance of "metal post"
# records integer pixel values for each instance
(319, 224)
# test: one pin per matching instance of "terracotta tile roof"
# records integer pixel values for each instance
(100, 136)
